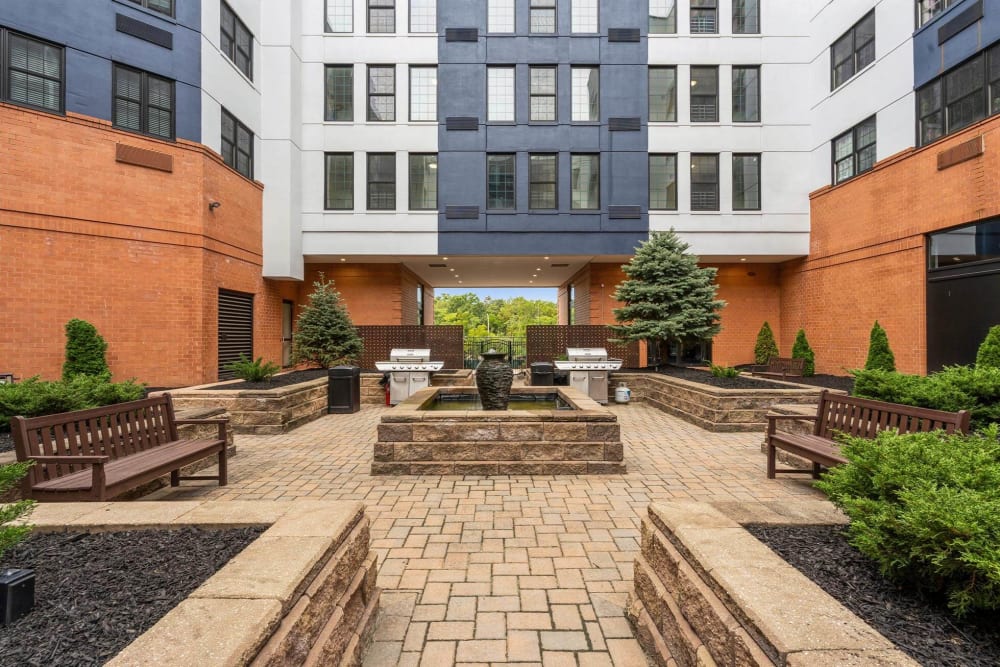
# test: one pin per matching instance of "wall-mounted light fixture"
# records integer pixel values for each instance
(212, 205)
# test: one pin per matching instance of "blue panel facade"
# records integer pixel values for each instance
(462, 76)
(88, 31)
(931, 58)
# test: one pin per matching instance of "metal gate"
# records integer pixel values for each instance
(235, 329)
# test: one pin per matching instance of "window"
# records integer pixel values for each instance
(420, 304)
(928, 9)
(500, 94)
(143, 102)
(423, 93)
(33, 72)
(423, 181)
(960, 97)
(543, 93)
(662, 17)
(500, 194)
(339, 93)
(423, 15)
(930, 114)
(704, 182)
(854, 51)
(237, 144)
(663, 94)
(500, 16)
(704, 94)
(586, 94)
(381, 181)
(994, 76)
(543, 16)
(339, 16)
(544, 179)
(746, 94)
(236, 41)
(746, 17)
(161, 6)
(663, 182)
(585, 182)
(381, 93)
(704, 17)
(585, 15)
(746, 182)
(854, 151)
(381, 15)
(339, 181)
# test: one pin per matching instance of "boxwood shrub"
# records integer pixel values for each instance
(34, 397)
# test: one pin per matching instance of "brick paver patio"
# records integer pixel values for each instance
(531, 570)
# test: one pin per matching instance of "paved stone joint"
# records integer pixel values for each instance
(531, 570)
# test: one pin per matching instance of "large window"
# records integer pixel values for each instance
(543, 93)
(381, 181)
(960, 97)
(663, 94)
(381, 93)
(586, 94)
(746, 17)
(500, 179)
(746, 182)
(585, 182)
(339, 16)
(662, 17)
(143, 102)
(544, 178)
(704, 17)
(854, 51)
(381, 15)
(33, 72)
(928, 9)
(339, 93)
(704, 94)
(663, 182)
(854, 151)
(423, 15)
(500, 16)
(236, 41)
(746, 94)
(543, 16)
(423, 181)
(161, 6)
(423, 93)
(500, 94)
(339, 181)
(237, 144)
(704, 182)
(585, 16)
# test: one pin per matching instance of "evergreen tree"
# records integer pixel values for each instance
(880, 356)
(325, 335)
(801, 350)
(766, 346)
(988, 355)
(667, 296)
(85, 350)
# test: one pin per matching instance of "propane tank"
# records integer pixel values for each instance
(622, 393)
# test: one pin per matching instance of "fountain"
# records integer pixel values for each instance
(494, 377)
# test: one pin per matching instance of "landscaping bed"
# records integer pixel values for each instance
(6, 442)
(919, 626)
(282, 380)
(705, 377)
(96, 593)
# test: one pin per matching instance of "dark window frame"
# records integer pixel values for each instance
(326, 181)
(233, 50)
(739, 21)
(988, 87)
(380, 5)
(145, 5)
(855, 155)
(513, 181)
(668, 207)
(854, 59)
(543, 5)
(653, 68)
(923, 20)
(369, 182)
(756, 118)
(554, 183)
(572, 204)
(706, 7)
(143, 102)
(715, 204)
(436, 170)
(760, 185)
(715, 70)
(370, 94)
(234, 142)
(326, 93)
(6, 67)
(553, 96)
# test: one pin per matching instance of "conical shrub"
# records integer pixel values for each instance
(801, 350)
(85, 351)
(766, 346)
(880, 356)
(989, 352)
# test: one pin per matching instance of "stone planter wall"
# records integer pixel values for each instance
(792, 426)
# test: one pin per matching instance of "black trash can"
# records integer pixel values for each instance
(541, 374)
(344, 392)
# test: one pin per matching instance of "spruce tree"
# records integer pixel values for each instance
(85, 350)
(801, 350)
(880, 356)
(667, 296)
(766, 346)
(325, 335)
(988, 355)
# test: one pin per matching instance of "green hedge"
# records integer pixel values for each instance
(926, 508)
(35, 397)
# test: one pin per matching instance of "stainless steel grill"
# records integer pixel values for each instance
(409, 371)
(589, 367)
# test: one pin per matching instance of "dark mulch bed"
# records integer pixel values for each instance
(6, 441)
(704, 377)
(95, 593)
(917, 625)
(277, 381)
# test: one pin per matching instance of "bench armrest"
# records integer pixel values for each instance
(221, 421)
(69, 458)
(772, 419)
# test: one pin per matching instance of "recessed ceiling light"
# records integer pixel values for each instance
(538, 268)
(534, 275)
(546, 257)
(743, 259)
(445, 258)
(452, 270)
(459, 282)
(342, 259)
(531, 282)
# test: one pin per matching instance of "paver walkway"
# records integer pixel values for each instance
(532, 570)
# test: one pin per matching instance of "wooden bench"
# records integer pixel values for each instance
(780, 366)
(860, 417)
(100, 453)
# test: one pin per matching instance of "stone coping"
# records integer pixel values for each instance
(792, 390)
(584, 407)
(219, 389)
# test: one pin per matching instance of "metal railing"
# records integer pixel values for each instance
(515, 347)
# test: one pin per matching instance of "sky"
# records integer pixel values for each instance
(532, 294)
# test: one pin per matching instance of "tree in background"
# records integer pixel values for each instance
(880, 356)
(667, 296)
(766, 346)
(506, 317)
(325, 334)
(801, 350)
(988, 355)
(85, 351)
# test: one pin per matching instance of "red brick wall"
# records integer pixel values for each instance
(372, 293)
(753, 295)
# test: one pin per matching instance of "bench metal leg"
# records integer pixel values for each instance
(771, 452)
(223, 468)
(817, 469)
(175, 477)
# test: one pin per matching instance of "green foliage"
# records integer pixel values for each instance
(989, 351)
(725, 371)
(253, 371)
(85, 350)
(926, 508)
(10, 474)
(35, 397)
(801, 350)
(766, 346)
(507, 317)
(667, 296)
(976, 389)
(325, 335)
(880, 356)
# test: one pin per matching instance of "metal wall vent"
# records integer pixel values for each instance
(632, 124)
(623, 34)
(625, 212)
(461, 35)
(461, 212)
(438, 266)
(559, 266)
(462, 123)
(144, 31)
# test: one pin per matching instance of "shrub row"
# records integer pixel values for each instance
(35, 397)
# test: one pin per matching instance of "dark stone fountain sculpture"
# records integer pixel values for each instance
(494, 376)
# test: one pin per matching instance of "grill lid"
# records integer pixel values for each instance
(593, 365)
(409, 366)
(409, 354)
(586, 353)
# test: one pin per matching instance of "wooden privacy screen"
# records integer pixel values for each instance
(547, 342)
(445, 342)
